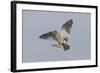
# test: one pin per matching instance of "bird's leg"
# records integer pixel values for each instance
(57, 45)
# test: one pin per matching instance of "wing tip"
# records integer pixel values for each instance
(41, 37)
(70, 20)
(45, 36)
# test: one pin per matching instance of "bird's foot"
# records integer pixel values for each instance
(57, 45)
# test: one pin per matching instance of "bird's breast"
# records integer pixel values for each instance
(60, 39)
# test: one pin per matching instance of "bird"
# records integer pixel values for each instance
(61, 37)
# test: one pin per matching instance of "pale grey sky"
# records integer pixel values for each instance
(36, 23)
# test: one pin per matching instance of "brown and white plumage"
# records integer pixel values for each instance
(61, 37)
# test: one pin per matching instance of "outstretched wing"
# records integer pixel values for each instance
(67, 26)
(48, 35)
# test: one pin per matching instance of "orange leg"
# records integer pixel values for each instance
(57, 45)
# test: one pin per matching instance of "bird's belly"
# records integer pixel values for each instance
(60, 39)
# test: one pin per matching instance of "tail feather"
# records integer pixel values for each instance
(65, 46)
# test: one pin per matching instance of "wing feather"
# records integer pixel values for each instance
(46, 36)
(67, 26)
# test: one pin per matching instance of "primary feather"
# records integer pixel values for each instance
(67, 26)
(46, 36)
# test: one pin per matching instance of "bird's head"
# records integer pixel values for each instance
(55, 33)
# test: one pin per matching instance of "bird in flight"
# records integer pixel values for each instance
(61, 37)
